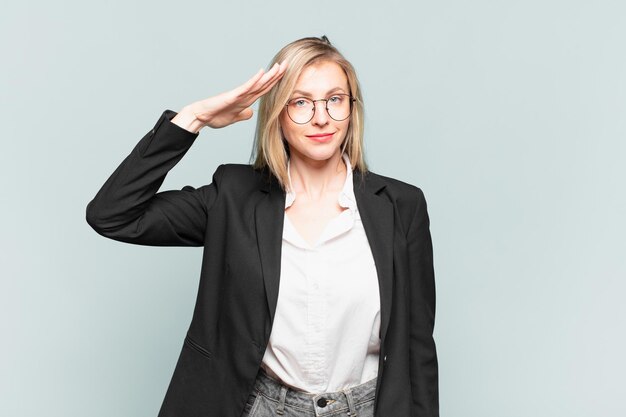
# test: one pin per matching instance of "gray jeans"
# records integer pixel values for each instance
(270, 398)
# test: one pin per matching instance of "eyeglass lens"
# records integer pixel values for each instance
(301, 110)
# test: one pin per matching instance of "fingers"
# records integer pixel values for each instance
(264, 85)
(273, 74)
(251, 82)
(262, 81)
(267, 88)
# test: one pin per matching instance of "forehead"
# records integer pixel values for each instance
(322, 77)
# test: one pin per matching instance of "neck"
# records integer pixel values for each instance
(314, 178)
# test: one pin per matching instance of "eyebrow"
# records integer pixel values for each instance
(307, 94)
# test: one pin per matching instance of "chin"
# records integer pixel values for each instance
(318, 155)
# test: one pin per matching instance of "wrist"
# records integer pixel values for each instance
(187, 119)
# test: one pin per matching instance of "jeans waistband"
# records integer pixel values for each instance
(322, 403)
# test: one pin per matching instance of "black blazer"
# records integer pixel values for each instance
(238, 219)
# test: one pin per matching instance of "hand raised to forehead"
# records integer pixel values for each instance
(234, 105)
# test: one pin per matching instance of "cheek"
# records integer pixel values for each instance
(285, 126)
(290, 130)
(344, 130)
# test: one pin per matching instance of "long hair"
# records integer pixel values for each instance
(270, 149)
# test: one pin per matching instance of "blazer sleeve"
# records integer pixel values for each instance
(422, 351)
(128, 207)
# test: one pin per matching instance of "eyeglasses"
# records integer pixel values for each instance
(301, 110)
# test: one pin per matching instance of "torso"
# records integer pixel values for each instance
(326, 330)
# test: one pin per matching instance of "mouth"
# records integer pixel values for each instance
(321, 137)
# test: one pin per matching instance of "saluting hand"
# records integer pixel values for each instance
(231, 106)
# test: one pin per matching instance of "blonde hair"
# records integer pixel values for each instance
(270, 149)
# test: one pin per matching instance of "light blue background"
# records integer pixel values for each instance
(510, 115)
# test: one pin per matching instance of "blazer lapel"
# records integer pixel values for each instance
(269, 217)
(377, 216)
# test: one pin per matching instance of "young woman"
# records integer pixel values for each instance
(317, 291)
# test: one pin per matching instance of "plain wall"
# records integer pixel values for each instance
(510, 115)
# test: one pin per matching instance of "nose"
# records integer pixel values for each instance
(320, 117)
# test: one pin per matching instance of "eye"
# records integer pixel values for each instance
(300, 102)
(335, 99)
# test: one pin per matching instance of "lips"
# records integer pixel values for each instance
(321, 137)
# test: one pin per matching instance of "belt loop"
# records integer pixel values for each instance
(281, 400)
(351, 409)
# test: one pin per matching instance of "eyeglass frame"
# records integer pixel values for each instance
(352, 100)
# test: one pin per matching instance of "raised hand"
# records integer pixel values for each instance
(231, 106)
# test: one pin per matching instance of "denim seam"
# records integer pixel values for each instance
(286, 404)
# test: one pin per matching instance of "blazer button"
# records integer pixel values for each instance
(322, 402)
(385, 358)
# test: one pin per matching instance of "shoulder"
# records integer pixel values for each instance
(243, 178)
(396, 190)
(408, 200)
(236, 171)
